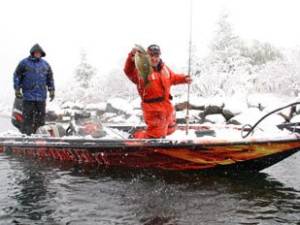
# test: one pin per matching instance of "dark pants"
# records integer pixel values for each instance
(34, 116)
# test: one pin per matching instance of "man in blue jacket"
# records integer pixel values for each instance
(32, 78)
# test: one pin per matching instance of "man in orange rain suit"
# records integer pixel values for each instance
(158, 111)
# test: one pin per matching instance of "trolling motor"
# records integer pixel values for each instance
(295, 127)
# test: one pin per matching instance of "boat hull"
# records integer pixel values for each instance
(250, 156)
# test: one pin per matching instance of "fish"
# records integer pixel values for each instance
(143, 63)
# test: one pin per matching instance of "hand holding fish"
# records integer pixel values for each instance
(135, 49)
(133, 52)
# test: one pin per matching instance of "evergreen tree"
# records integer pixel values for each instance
(225, 48)
(84, 71)
(223, 71)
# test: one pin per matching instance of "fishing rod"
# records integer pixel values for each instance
(189, 68)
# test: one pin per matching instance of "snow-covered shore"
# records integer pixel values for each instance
(214, 111)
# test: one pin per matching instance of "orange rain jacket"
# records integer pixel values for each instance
(158, 111)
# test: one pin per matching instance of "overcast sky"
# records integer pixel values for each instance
(108, 29)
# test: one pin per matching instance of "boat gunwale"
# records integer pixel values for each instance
(136, 143)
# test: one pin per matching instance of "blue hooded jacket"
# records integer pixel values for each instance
(34, 76)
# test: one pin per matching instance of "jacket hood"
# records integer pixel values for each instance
(36, 48)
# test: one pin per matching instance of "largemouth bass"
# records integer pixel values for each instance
(143, 63)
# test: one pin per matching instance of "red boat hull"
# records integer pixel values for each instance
(157, 154)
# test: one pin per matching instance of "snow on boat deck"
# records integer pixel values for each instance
(216, 133)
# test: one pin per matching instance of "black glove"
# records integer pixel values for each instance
(51, 95)
(18, 93)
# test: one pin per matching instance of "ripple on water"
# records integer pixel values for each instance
(33, 192)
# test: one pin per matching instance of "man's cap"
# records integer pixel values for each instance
(154, 50)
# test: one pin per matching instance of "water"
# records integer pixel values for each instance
(42, 192)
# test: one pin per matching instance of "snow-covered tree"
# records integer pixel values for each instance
(84, 71)
(80, 87)
(116, 84)
(225, 54)
(225, 68)
(232, 64)
(281, 76)
(260, 53)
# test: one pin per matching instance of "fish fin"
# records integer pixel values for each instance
(140, 48)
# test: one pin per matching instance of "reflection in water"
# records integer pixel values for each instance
(32, 197)
(55, 193)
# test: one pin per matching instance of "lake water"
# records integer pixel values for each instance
(53, 193)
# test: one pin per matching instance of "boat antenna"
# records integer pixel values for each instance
(251, 128)
(189, 68)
